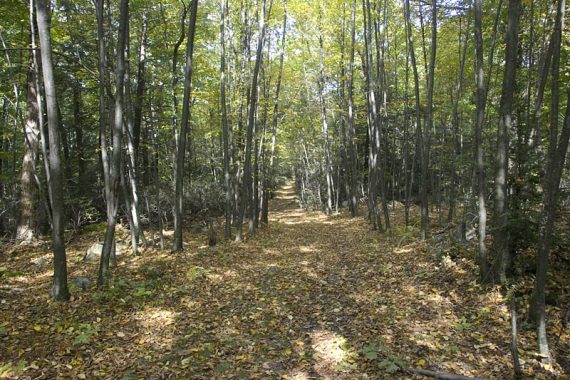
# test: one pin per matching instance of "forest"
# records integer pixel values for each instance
(326, 189)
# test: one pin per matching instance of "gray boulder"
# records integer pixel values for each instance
(82, 282)
(94, 252)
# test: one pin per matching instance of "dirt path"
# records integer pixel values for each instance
(308, 297)
(322, 297)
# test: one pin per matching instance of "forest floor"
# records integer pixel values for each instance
(309, 297)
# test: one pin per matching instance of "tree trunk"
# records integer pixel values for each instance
(425, 158)
(269, 176)
(225, 132)
(455, 121)
(420, 145)
(141, 86)
(59, 291)
(373, 213)
(501, 238)
(325, 130)
(181, 151)
(353, 177)
(479, 123)
(112, 185)
(246, 182)
(380, 109)
(25, 227)
(133, 170)
(556, 156)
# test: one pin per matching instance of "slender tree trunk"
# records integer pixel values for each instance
(103, 116)
(407, 179)
(112, 185)
(536, 115)
(343, 168)
(59, 291)
(455, 120)
(269, 177)
(353, 178)
(429, 125)
(181, 151)
(174, 119)
(325, 130)
(25, 227)
(372, 121)
(558, 148)
(141, 87)
(479, 123)
(132, 185)
(225, 132)
(246, 184)
(381, 109)
(419, 134)
(501, 238)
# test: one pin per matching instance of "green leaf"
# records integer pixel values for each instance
(391, 368)
(371, 355)
(82, 338)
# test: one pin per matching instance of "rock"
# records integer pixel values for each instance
(82, 282)
(38, 264)
(94, 252)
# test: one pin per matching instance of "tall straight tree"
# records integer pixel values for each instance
(381, 97)
(501, 237)
(59, 291)
(481, 100)
(557, 150)
(131, 186)
(420, 146)
(425, 158)
(455, 119)
(113, 177)
(325, 129)
(268, 176)
(247, 180)
(353, 177)
(25, 227)
(181, 151)
(373, 120)
(225, 127)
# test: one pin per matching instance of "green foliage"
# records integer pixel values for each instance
(4, 272)
(140, 291)
(383, 357)
(392, 363)
(197, 272)
(85, 332)
(10, 370)
(95, 227)
(463, 325)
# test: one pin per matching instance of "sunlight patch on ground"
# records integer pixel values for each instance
(230, 274)
(403, 250)
(307, 249)
(157, 327)
(328, 352)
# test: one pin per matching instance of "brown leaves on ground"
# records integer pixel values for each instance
(308, 297)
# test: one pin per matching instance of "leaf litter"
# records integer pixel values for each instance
(308, 297)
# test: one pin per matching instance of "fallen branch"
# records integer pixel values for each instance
(11, 288)
(438, 375)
